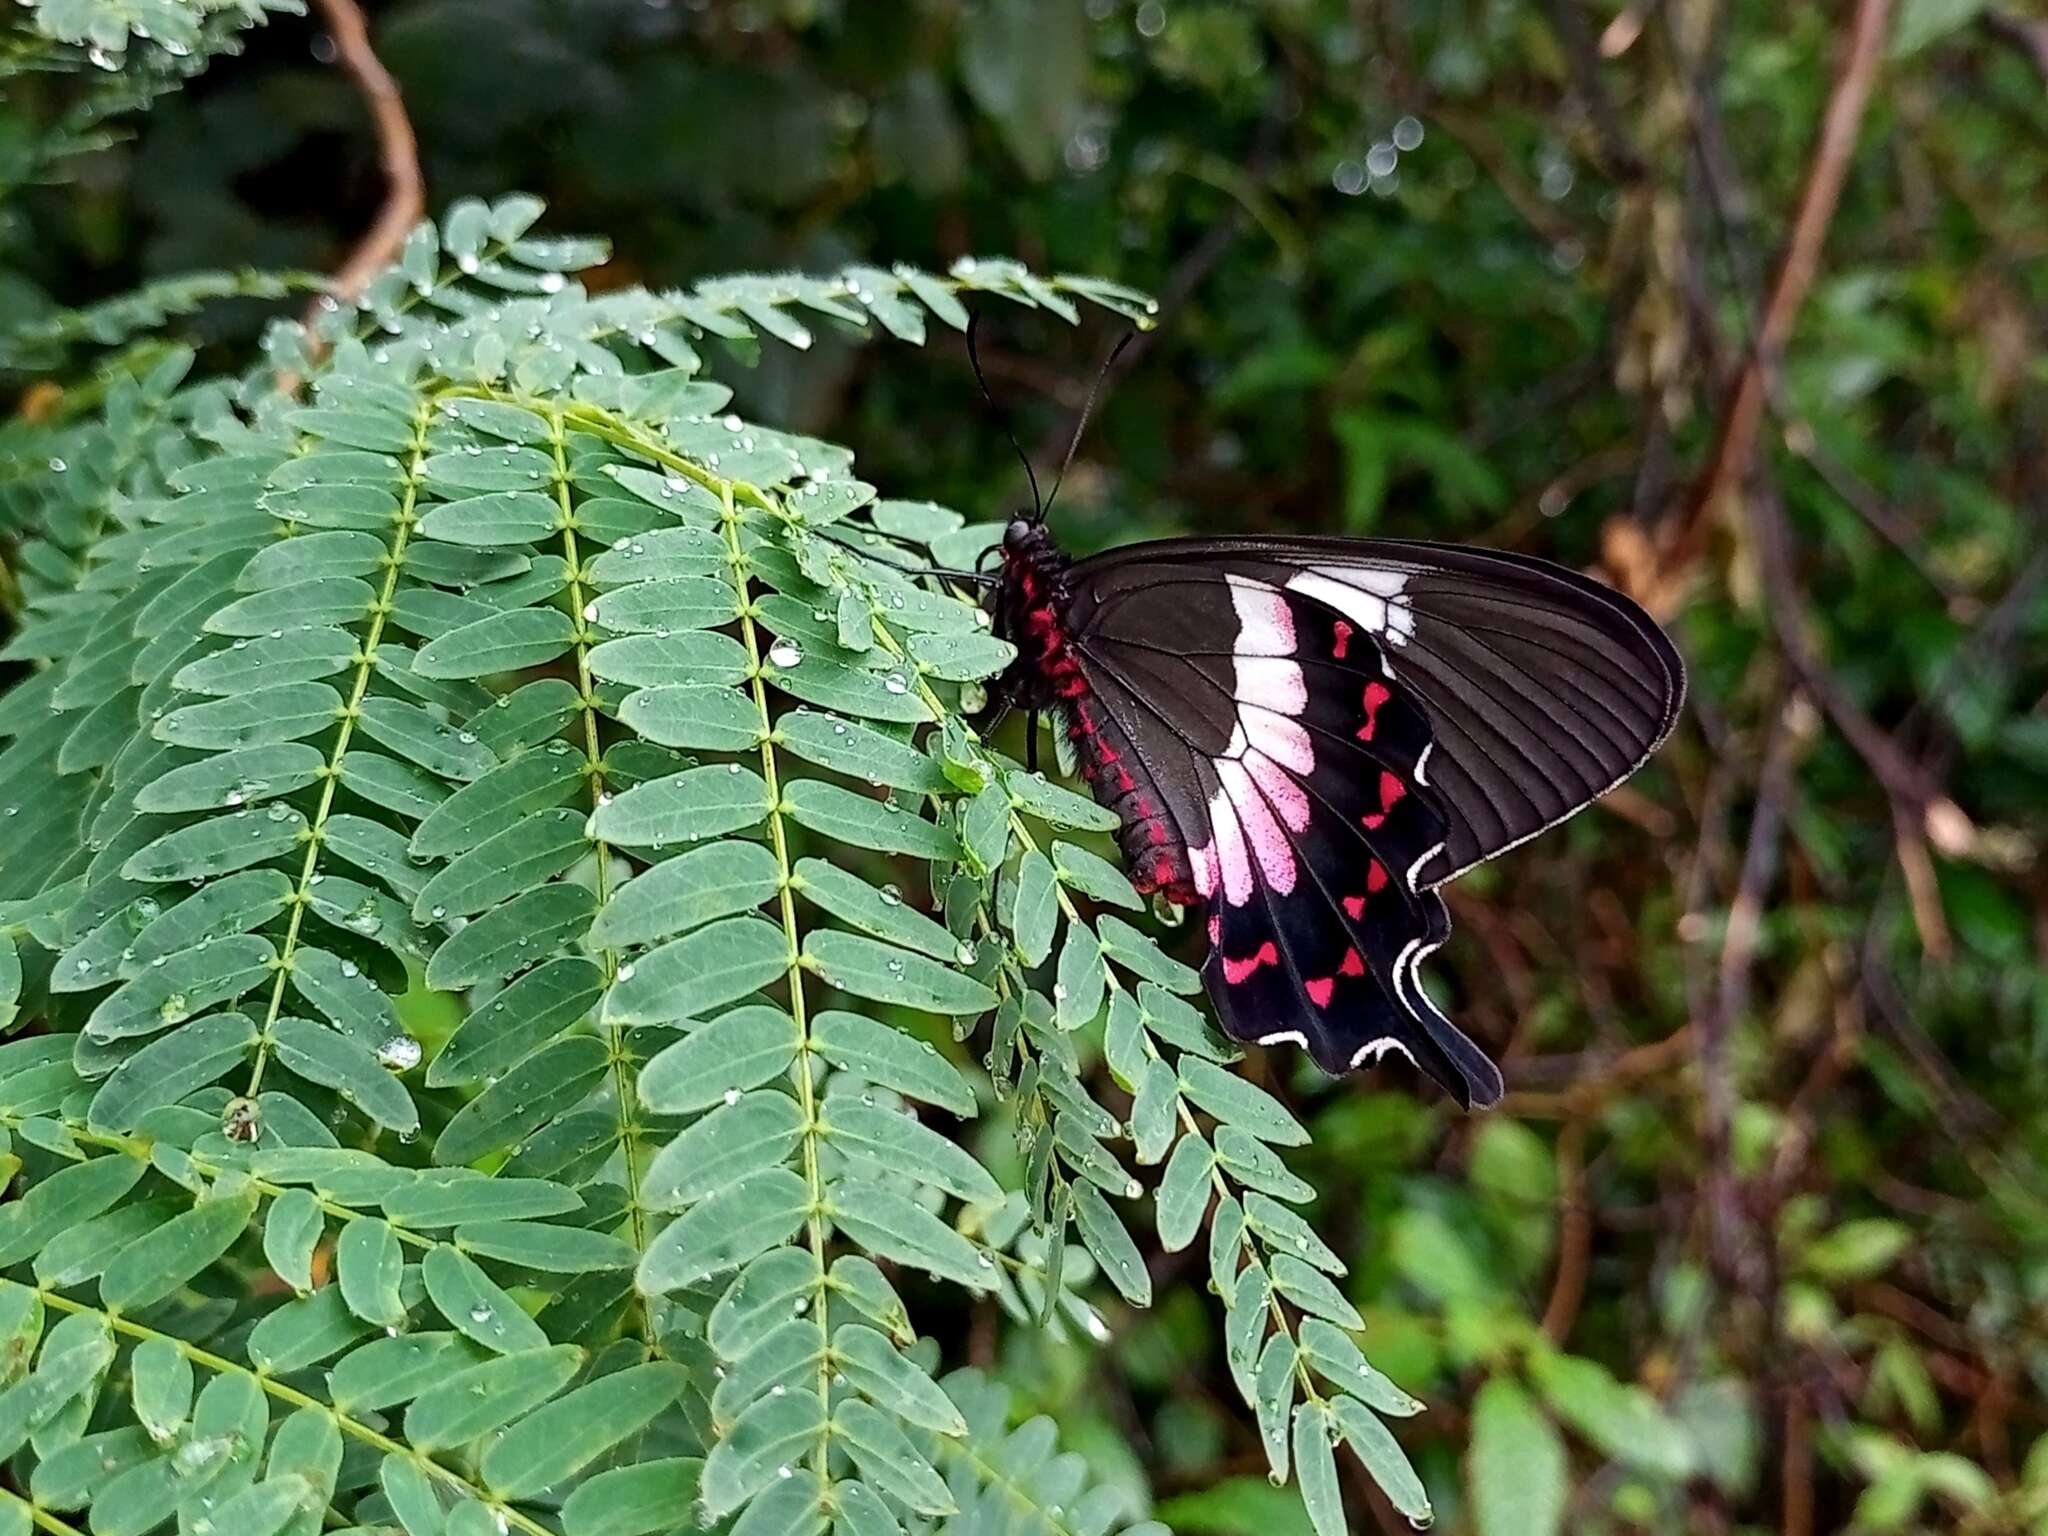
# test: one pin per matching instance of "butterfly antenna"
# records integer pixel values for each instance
(1038, 503)
(943, 572)
(1081, 425)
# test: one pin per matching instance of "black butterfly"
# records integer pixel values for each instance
(1308, 737)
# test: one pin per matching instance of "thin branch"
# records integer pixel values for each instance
(405, 194)
(1735, 447)
(1575, 1235)
(1911, 787)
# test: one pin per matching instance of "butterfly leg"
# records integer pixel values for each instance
(1031, 742)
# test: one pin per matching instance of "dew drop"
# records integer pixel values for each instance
(786, 654)
(401, 1053)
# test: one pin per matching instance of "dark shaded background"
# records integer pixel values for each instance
(1776, 1019)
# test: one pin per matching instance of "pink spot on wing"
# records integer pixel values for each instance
(1343, 641)
(1354, 964)
(1269, 844)
(1216, 930)
(1319, 989)
(1233, 859)
(1235, 971)
(1281, 738)
(1286, 797)
(1203, 865)
(1375, 877)
(1354, 907)
(1376, 694)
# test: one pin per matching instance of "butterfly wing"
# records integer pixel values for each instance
(1266, 766)
(1311, 736)
(1544, 689)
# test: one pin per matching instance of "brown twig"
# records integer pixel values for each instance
(1795, 1515)
(1733, 1258)
(1913, 790)
(1575, 1235)
(1735, 445)
(405, 195)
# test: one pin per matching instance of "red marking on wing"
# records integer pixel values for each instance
(1375, 878)
(1235, 971)
(1376, 694)
(1391, 790)
(1343, 642)
(1322, 988)
(1354, 907)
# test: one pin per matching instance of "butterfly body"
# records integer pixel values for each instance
(1307, 738)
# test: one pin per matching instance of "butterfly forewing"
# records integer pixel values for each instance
(1544, 688)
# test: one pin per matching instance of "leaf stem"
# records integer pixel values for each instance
(625, 1087)
(366, 661)
(39, 1517)
(814, 1224)
(508, 1517)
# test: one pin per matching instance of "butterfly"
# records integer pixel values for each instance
(1307, 738)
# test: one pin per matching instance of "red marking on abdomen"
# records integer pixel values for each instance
(1391, 790)
(1235, 971)
(1343, 631)
(1376, 694)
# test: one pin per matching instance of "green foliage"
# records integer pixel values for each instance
(655, 1145)
(513, 669)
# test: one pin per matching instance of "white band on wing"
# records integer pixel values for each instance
(1369, 598)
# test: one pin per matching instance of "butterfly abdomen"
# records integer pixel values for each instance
(1153, 850)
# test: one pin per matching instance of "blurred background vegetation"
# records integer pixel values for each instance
(1740, 304)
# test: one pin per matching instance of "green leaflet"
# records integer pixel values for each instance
(702, 971)
(725, 1231)
(891, 1059)
(735, 1052)
(745, 1135)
